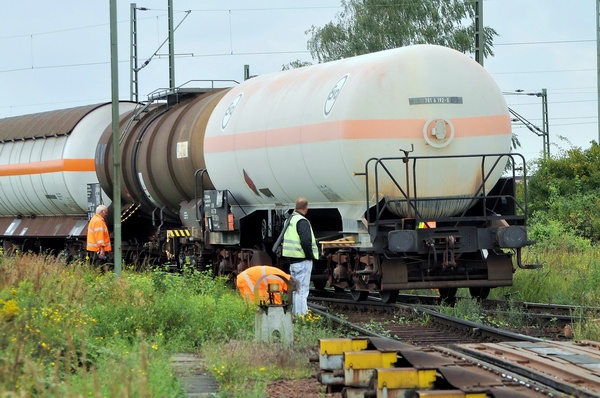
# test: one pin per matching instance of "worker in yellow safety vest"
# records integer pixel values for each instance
(300, 249)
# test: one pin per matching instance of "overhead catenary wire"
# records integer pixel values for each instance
(162, 44)
(235, 48)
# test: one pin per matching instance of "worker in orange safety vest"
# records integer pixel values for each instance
(98, 239)
(246, 283)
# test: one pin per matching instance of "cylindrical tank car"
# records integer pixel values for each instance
(402, 155)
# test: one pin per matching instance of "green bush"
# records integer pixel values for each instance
(552, 234)
(566, 188)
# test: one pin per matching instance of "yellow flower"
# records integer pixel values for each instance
(9, 309)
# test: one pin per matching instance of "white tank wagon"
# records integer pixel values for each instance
(46, 164)
(311, 132)
(307, 132)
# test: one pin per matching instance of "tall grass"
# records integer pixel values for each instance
(73, 332)
(569, 277)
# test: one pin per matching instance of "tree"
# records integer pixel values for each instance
(566, 188)
(295, 64)
(367, 26)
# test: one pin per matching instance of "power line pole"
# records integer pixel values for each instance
(598, 61)
(545, 124)
(479, 33)
(171, 47)
(114, 73)
(133, 55)
(544, 132)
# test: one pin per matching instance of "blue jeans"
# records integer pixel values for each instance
(301, 272)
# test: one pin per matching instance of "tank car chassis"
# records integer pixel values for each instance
(472, 249)
(387, 253)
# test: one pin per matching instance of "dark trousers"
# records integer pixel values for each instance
(97, 261)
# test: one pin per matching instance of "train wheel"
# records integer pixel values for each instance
(389, 296)
(448, 295)
(359, 295)
(480, 293)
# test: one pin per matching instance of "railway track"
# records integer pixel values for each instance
(446, 356)
(408, 323)
(546, 321)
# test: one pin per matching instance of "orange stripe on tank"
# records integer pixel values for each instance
(48, 166)
(352, 130)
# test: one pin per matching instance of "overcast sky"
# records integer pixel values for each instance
(56, 54)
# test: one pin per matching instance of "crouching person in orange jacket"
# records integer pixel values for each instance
(246, 283)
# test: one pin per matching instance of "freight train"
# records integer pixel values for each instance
(404, 156)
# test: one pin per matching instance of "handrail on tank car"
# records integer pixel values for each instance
(485, 197)
(412, 202)
(163, 92)
(379, 162)
(162, 221)
(480, 194)
(212, 81)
